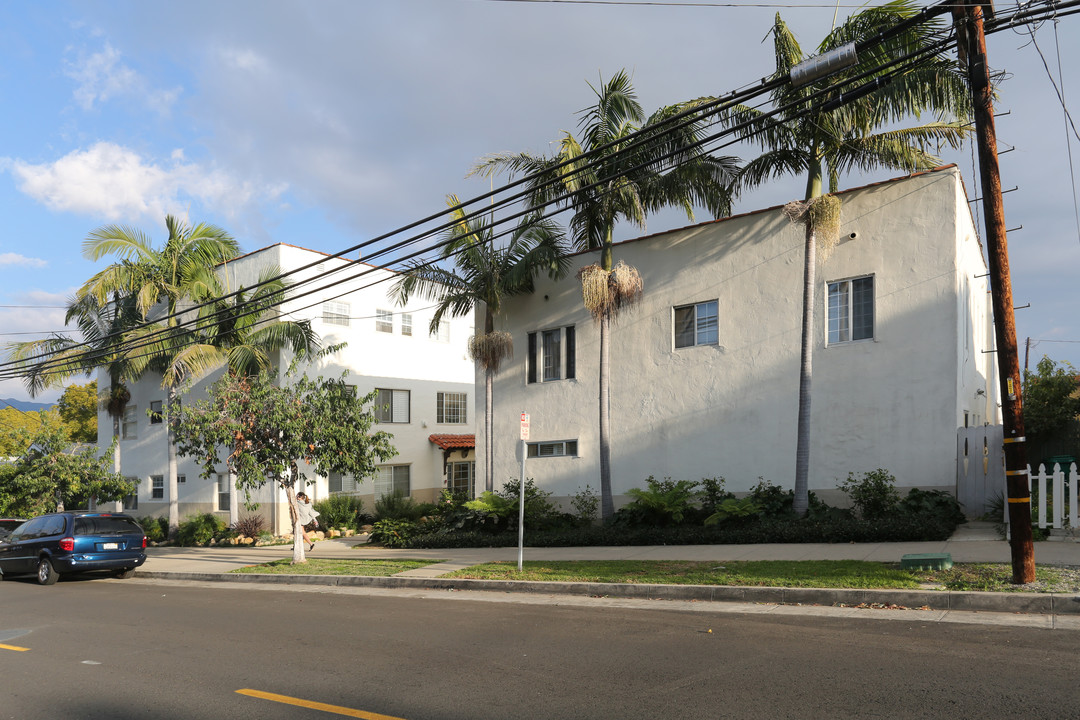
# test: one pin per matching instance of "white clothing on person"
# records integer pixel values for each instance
(305, 513)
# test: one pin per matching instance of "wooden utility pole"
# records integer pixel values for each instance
(972, 49)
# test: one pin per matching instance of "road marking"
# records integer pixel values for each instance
(16, 648)
(336, 709)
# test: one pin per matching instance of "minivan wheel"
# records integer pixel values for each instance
(46, 575)
(125, 573)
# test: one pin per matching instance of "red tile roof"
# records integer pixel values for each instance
(453, 442)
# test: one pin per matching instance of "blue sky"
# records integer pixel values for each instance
(322, 124)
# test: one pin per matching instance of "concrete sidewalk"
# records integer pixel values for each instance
(970, 544)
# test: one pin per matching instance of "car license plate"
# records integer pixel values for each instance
(110, 546)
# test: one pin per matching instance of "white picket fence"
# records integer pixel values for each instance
(1051, 486)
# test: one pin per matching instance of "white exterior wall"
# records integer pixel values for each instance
(419, 363)
(730, 409)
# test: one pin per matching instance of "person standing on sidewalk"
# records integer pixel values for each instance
(308, 517)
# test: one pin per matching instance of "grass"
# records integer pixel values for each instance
(323, 566)
(854, 574)
(766, 573)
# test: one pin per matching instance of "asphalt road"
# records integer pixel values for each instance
(125, 650)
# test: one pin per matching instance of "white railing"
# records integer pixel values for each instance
(1051, 497)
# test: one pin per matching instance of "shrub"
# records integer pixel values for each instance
(663, 502)
(732, 508)
(394, 533)
(873, 495)
(156, 528)
(586, 504)
(712, 494)
(200, 529)
(933, 504)
(340, 511)
(250, 525)
(398, 506)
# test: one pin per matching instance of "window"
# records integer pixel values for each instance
(392, 406)
(450, 408)
(223, 492)
(335, 313)
(384, 321)
(697, 324)
(155, 412)
(338, 482)
(553, 449)
(552, 355)
(131, 502)
(459, 477)
(129, 430)
(157, 487)
(181, 479)
(392, 479)
(443, 334)
(851, 310)
(406, 324)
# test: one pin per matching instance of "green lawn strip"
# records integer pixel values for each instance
(327, 566)
(765, 573)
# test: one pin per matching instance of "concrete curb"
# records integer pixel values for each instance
(1028, 603)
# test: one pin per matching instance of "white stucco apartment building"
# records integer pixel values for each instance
(705, 369)
(425, 381)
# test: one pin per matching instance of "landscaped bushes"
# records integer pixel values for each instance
(201, 529)
(341, 511)
(675, 513)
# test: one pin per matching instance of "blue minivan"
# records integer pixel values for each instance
(71, 542)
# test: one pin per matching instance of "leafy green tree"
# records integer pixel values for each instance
(1051, 399)
(78, 410)
(18, 428)
(618, 171)
(485, 274)
(53, 475)
(182, 270)
(272, 428)
(849, 137)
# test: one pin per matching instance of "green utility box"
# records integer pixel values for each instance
(926, 561)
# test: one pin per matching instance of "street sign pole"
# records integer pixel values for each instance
(521, 489)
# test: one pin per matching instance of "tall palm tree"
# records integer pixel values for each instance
(181, 271)
(484, 273)
(606, 177)
(242, 330)
(857, 135)
(50, 361)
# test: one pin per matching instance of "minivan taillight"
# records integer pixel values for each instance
(144, 542)
(67, 544)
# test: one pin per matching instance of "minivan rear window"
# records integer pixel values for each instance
(105, 525)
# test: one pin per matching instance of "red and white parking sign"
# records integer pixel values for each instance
(524, 426)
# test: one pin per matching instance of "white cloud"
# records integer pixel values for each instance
(114, 182)
(102, 76)
(21, 260)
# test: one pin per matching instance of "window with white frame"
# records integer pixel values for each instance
(335, 313)
(406, 324)
(851, 310)
(392, 479)
(181, 479)
(131, 502)
(155, 412)
(450, 408)
(223, 492)
(384, 321)
(339, 483)
(442, 333)
(129, 429)
(561, 448)
(459, 477)
(157, 487)
(392, 406)
(552, 355)
(697, 324)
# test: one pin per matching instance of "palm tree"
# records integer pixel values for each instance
(181, 271)
(484, 273)
(847, 138)
(242, 331)
(624, 167)
(52, 360)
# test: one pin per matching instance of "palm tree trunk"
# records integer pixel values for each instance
(119, 504)
(489, 433)
(174, 501)
(802, 449)
(607, 503)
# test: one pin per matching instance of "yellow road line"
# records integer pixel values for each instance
(13, 647)
(336, 709)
